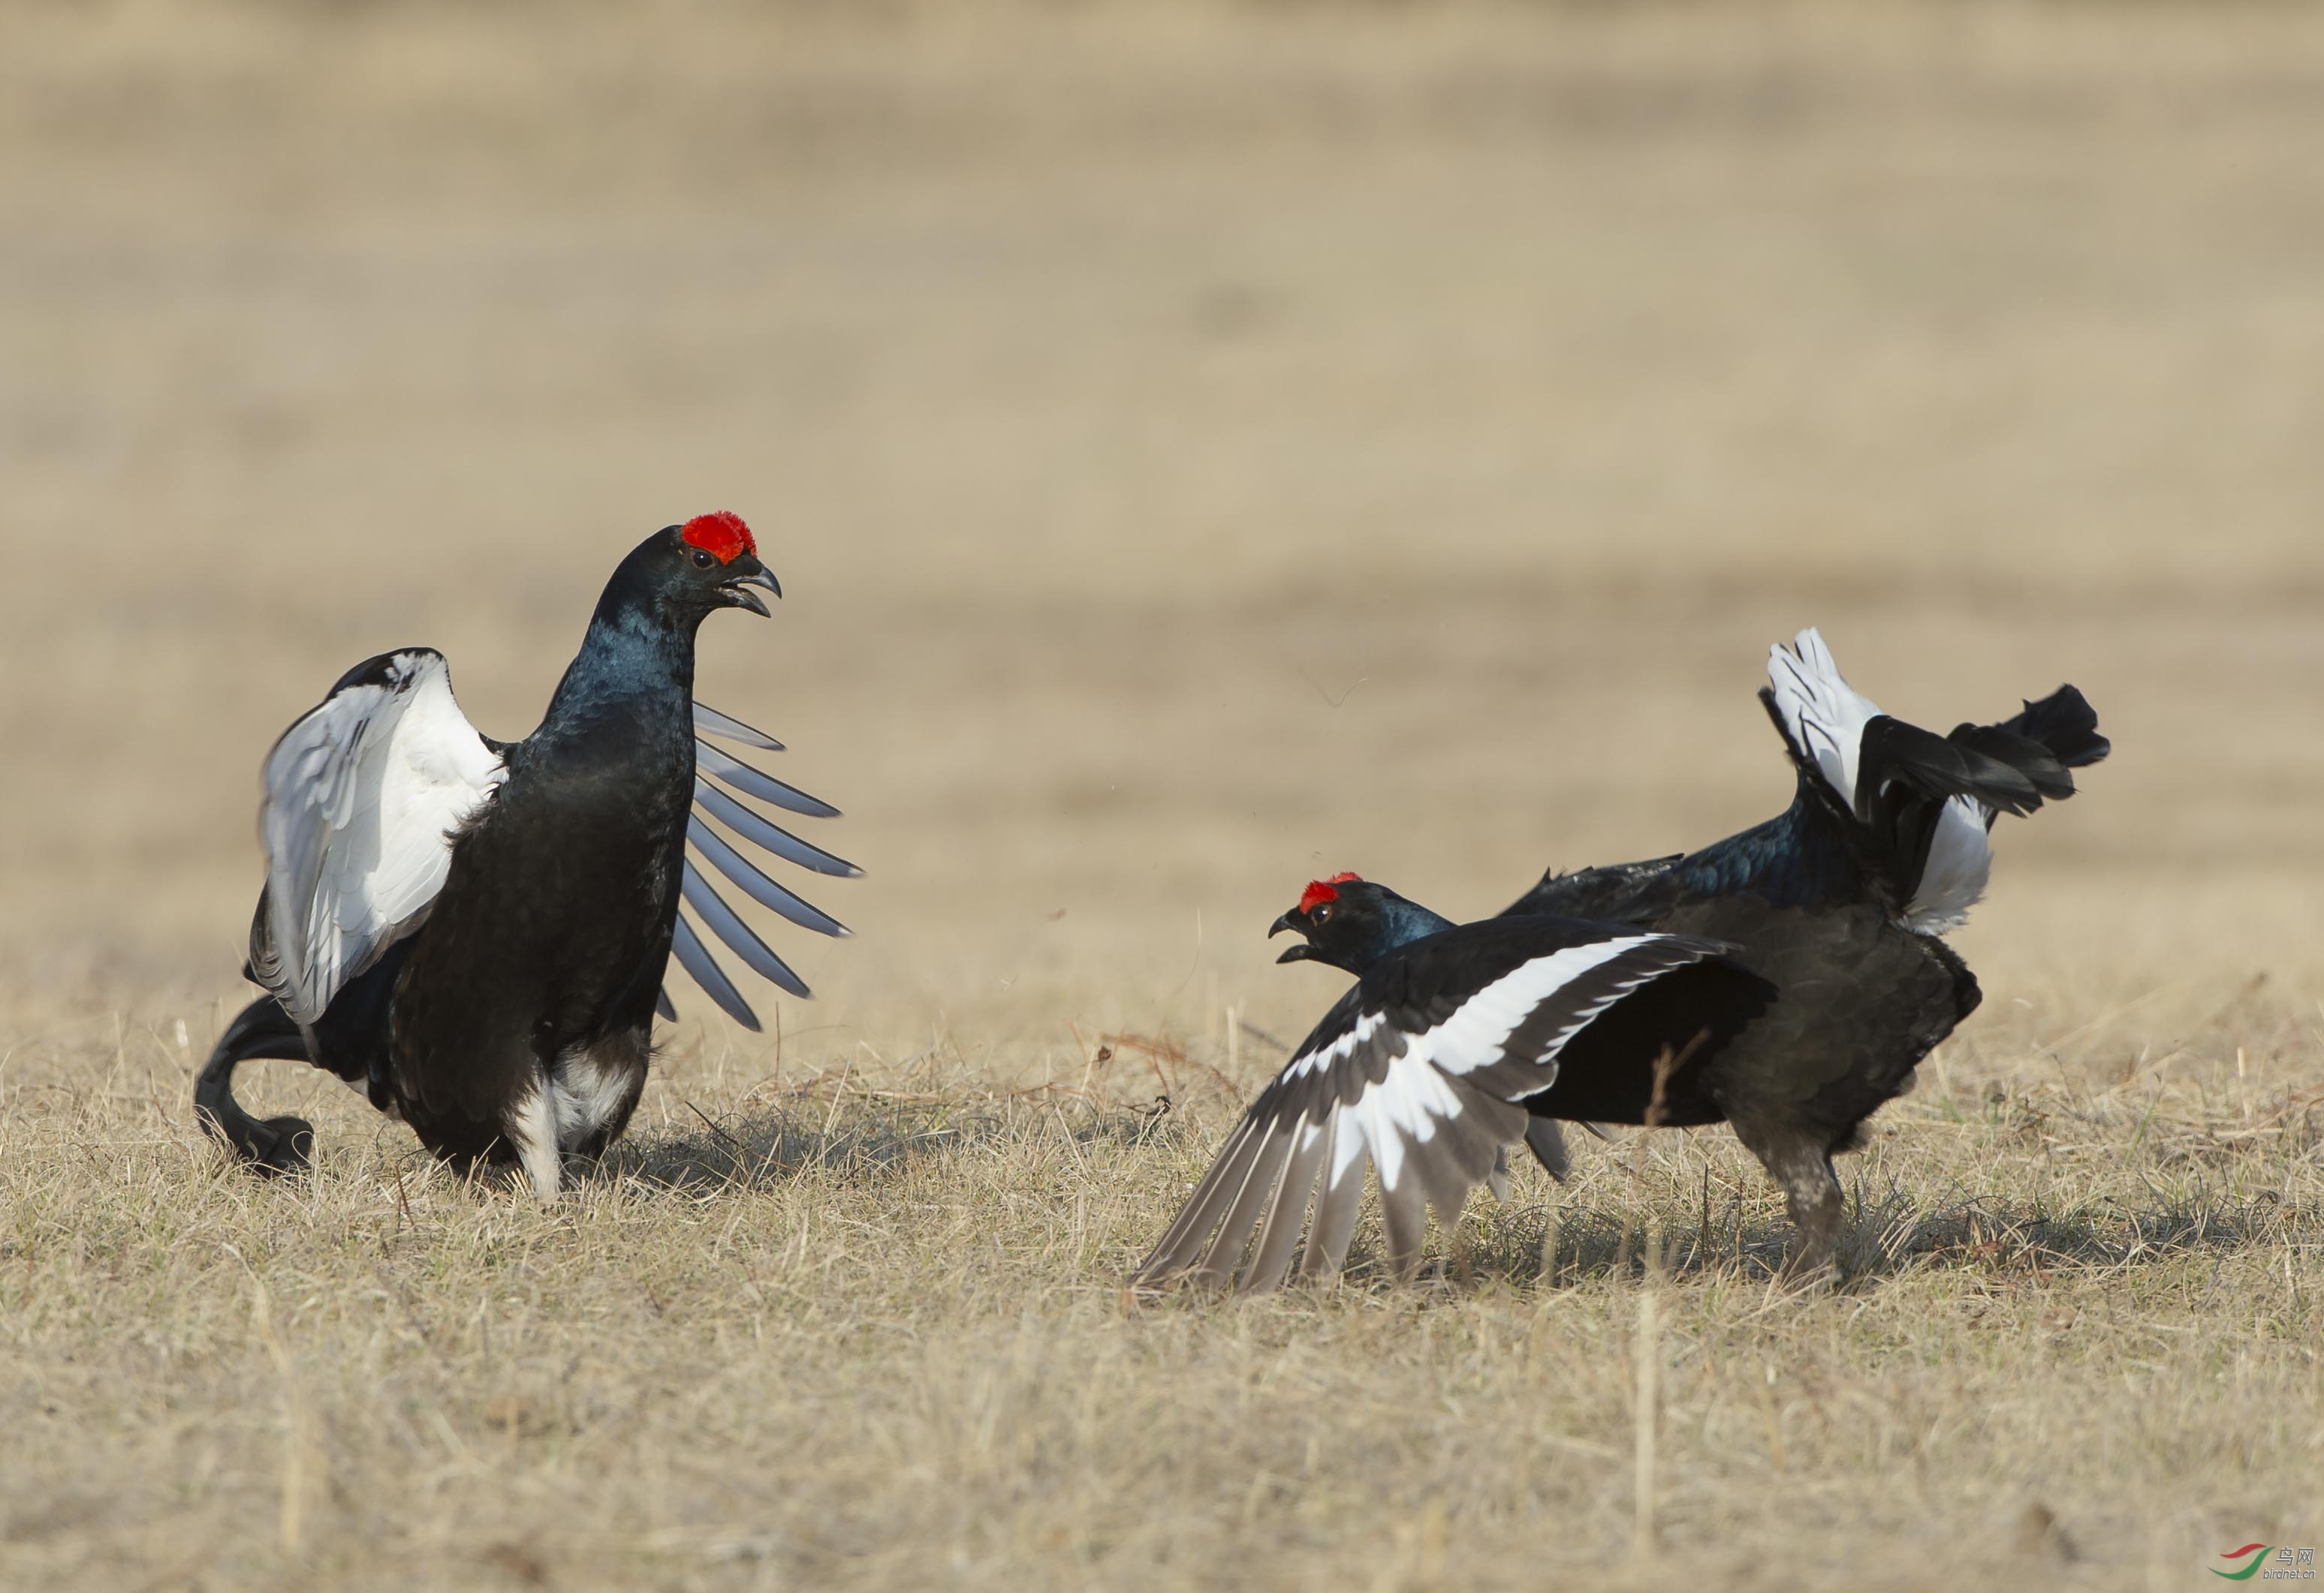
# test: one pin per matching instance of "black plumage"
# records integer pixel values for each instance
(1837, 906)
(1434, 1063)
(474, 933)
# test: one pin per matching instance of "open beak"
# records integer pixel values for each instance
(1297, 953)
(760, 577)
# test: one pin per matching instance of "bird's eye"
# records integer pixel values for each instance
(701, 559)
(1322, 913)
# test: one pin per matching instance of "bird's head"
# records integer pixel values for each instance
(684, 572)
(1350, 923)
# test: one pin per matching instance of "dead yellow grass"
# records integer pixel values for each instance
(1205, 447)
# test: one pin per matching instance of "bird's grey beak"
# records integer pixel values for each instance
(1298, 954)
(760, 577)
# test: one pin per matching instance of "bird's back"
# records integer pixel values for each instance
(1799, 857)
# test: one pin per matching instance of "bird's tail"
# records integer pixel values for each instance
(277, 1145)
(1919, 805)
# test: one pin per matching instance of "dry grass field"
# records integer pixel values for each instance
(1203, 446)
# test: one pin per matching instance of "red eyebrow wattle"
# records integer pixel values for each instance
(721, 534)
(1320, 891)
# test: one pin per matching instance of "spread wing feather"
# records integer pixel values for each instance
(362, 797)
(1416, 1075)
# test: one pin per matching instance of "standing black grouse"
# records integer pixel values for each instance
(474, 932)
(1836, 904)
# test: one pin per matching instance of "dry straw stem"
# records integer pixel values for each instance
(1646, 1351)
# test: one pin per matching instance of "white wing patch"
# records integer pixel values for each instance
(1325, 1058)
(364, 794)
(1429, 1124)
(1395, 1119)
(1404, 1110)
(1826, 717)
(361, 797)
(1477, 1034)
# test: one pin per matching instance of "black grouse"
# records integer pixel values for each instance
(1837, 905)
(1430, 1066)
(474, 932)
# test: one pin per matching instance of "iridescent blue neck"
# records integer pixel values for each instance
(631, 658)
(1402, 922)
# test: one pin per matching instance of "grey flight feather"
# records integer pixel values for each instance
(1336, 1210)
(1264, 1166)
(1278, 1230)
(1175, 1252)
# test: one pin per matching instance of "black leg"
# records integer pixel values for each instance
(278, 1145)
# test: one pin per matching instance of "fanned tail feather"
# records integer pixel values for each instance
(691, 950)
(2066, 726)
(1921, 804)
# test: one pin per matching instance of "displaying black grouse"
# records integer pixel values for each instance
(1837, 905)
(1428, 1068)
(474, 932)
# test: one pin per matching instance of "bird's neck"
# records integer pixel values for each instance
(631, 661)
(1401, 923)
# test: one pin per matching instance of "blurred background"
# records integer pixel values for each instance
(1203, 446)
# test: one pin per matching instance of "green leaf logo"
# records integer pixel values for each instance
(2258, 1552)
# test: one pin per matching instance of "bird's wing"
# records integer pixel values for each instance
(1422, 1070)
(715, 801)
(362, 797)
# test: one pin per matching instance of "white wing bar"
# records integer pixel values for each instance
(1429, 1112)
